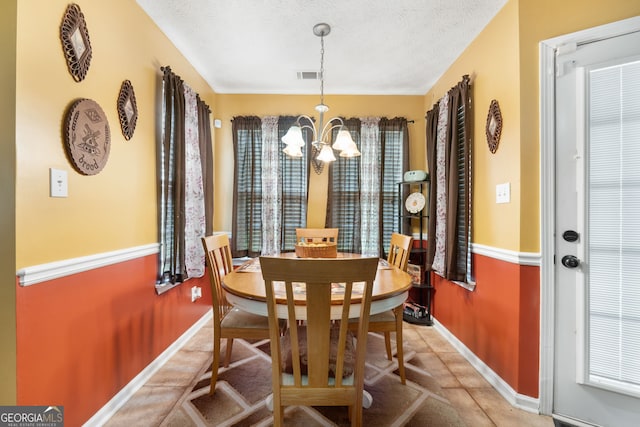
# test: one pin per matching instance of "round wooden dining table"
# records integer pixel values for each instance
(245, 289)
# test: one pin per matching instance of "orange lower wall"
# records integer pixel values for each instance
(499, 321)
(83, 337)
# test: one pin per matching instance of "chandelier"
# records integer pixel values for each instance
(322, 148)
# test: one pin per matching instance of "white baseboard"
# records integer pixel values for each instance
(526, 403)
(107, 411)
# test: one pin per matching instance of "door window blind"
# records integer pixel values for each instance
(613, 219)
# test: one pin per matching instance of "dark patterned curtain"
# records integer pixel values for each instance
(172, 181)
(206, 151)
(343, 199)
(432, 130)
(394, 141)
(172, 178)
(456, 183)
(246, 230)
(294, 178)
(248, 201)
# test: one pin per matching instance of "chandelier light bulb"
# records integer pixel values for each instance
(326, 154)
(293, 150)
(294, 137)
(343, 140)
(351, 150)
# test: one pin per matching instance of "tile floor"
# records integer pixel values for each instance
(478, 403)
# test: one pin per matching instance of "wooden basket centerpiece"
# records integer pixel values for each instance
(313, 248)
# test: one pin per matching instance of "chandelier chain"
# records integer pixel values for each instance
(322, 69)
(322, 151)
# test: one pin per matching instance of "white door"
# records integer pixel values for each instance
(597, 234)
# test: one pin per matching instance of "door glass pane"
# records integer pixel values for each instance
(614, 226)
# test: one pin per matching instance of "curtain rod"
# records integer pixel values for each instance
(408, 121)
(167, 69)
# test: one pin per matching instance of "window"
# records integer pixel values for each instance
(449, 142)
(348, 207)
(294, 173)
(613, 226)
(394, 138)
(343, 201)
(260, 216)
(246, 233)
(185, 177)
(363, 199)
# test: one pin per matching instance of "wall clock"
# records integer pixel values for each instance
(415, 202)
(87, 136)
(494, 126)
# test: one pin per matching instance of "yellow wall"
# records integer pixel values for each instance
(491, 61)
(113, 210)
(541, 20)
(7, 209)
(227, 106)
(116, 208)
(504, 65)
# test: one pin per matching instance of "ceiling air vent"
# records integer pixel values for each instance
(308, 75)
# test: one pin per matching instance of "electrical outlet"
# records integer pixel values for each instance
(503, 193)
(196, 292)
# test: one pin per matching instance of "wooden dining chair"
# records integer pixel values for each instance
(317, 235)
(315, 363)
(391, 320)
(399, 250)
(228, 322)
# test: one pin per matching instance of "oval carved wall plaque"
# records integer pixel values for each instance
(88, 138)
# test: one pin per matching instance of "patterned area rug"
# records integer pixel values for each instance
(243, 387)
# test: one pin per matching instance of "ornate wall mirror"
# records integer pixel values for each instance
(127, 109)
(75, 42)
(494, 126)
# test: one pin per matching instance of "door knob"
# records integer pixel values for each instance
(570, 261)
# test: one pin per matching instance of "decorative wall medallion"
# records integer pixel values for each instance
(318, 165)
(127, 109)
(88, 139)
(75, 42)
(494, 126)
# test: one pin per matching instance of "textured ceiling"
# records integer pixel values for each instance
(375, 47)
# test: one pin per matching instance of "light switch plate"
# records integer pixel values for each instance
(503, 193)
(58, 186)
